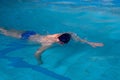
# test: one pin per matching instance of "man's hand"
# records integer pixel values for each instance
(96, 44)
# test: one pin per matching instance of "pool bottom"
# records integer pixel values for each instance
(20, 63)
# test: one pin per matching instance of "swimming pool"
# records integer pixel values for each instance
(96, 21)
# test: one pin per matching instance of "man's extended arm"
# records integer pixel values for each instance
(93, 44)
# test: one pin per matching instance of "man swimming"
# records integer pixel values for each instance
(46, 40)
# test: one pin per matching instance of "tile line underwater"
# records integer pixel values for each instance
(19, 63)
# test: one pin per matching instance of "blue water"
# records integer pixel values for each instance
(96, 20)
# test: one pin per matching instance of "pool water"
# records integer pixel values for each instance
(96, 21)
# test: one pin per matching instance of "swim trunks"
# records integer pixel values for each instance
(27, 34)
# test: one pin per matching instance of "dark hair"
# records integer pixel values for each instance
(64, 38)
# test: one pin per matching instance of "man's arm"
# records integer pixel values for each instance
(39, 52)
(93, 44)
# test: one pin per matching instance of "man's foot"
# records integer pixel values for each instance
(2, 30)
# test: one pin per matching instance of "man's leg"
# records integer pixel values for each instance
(12, 33)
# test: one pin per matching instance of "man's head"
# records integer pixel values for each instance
(64, 38)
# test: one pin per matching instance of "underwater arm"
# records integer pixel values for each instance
(39, 52)
(93, 44)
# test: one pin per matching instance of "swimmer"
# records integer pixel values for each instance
(46, 40)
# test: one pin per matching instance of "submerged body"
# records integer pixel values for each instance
(45, 40)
